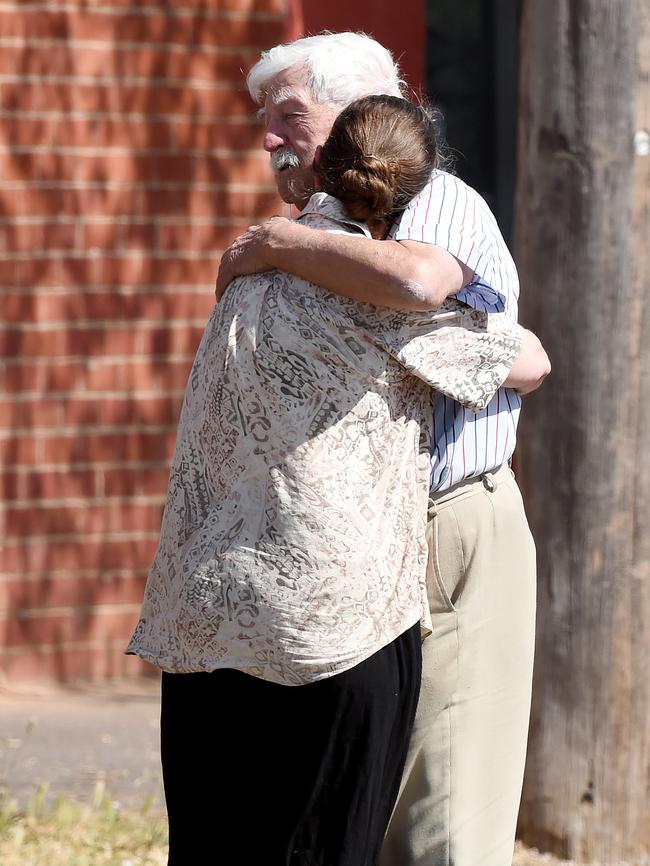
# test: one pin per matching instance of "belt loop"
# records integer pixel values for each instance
(489, 482)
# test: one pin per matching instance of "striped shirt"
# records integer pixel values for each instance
(452, 215)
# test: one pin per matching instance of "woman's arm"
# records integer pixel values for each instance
(531, 366)
(403, 275)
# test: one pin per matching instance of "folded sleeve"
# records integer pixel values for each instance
(461, 352)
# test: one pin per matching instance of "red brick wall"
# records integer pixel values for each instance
(128, 159)
(400, 25)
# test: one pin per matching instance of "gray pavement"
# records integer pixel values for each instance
(71, 738)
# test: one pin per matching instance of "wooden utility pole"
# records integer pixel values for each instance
(582, 241)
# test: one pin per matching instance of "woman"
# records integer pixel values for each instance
(287, 598)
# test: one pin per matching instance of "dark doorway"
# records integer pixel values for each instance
(471, 74)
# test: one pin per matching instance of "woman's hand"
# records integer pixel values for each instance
(250, 253)
(531, 367)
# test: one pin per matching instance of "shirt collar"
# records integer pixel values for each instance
(326, 205)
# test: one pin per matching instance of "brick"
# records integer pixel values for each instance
(138, 237)
(239, 6)
(105, 131)
(18, 450)
(85, 624)
(81, 662)
(237, 170)
(176, 341)
(18, 594)
(68, 375)
(25, 376)
(21, 130)
(118, 168)
(174, 169)
(108, 447)
(119, 339)
(29, 413)
(146, 411)
(12, 486)
(182, 271)
(16, 165)
(162, 98)
(120, 60)
(112, 236)
(216, 103)
(25, 238)
(100, 202)
(236, 204)
(96, 375)
(135, 481)
(181, 30)
(115, 340)
(41, 556)
(177, 167)
(18, 307)
(19, 343)
(33, 202)
(136, 271)
(43, 25)
(197, 236)
(133, 270)
(68, 412)
(8, 273)
(207, 134)
(162, 376)
(97, 519)
(96, 359)
(62, 484)
(244, 31)
(32, 272)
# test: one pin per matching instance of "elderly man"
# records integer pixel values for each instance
(462, 781)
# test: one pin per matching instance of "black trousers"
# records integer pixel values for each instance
(260, 774)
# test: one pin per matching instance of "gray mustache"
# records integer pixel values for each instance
(284, 157)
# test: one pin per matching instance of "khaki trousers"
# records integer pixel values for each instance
(462, 781)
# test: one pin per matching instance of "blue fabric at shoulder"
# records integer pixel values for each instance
(481, 296)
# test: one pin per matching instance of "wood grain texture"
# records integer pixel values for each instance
(582, 239)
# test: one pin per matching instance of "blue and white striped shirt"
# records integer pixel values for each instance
(452, 215)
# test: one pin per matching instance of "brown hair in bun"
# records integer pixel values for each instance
(379, 155)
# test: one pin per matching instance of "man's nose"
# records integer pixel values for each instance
(274, 133)
(272, 141)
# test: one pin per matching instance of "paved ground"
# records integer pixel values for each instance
(71, 738)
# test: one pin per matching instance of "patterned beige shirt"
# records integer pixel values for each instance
(293, 540)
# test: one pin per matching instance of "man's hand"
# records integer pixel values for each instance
(404, 275)
(250, 253)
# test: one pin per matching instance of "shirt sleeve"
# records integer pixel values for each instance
(459, 351)
(444, 214)
(451, 215)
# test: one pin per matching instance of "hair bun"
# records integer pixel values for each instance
(379, 154)
(369, 187)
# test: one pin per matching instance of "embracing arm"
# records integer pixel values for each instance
(398, 274)
(404, 275)
(531, 366)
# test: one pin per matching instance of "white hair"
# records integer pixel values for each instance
(340, 67)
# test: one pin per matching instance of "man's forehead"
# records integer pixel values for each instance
(288, 84)
(276, 95)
